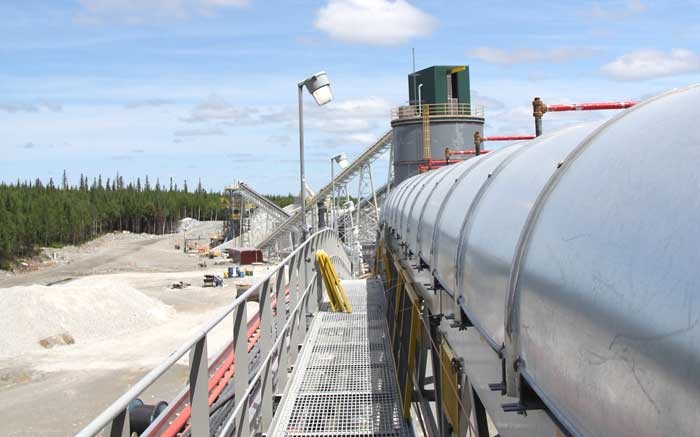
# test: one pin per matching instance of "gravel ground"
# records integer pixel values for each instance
(112, 298)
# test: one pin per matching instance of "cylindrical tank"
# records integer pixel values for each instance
(455, 132)
(576, 257)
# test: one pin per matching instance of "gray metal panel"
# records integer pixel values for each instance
(451, 215)
(407, 200)
(414, 210)
(401, 200)
(388, 207)
(395, 197)
(426, 222)
(609, 307)
(488, 240)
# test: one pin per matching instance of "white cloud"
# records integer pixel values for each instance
(362, 138)
(630, 7)
(338, 116)
(375, 22)
(489, 103)
(498, 56)
(216, 108)
(650, 63)
(199, 132)
(140, 11)
(350, 115)
(30, 107)
(149, 103)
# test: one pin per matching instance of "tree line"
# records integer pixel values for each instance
(48, 214)
(282, 200)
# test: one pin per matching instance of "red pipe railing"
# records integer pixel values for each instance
(597, 106)
(539, 108)
(465, 152)
(507, 138)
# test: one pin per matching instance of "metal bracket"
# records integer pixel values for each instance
(528, 400)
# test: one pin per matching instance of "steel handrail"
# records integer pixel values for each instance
(120, 406)
(410, 112)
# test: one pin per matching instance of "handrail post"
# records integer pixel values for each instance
(300, 317)
(120, 425)
(266, 340)
(199, 393)
(281, 321)
(241, 362)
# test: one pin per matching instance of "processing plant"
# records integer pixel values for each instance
(545, 288)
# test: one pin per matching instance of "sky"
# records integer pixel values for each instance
(206, 89)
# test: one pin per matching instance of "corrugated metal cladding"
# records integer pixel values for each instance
(578, 254)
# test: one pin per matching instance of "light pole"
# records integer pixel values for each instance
(320, 89)
(342, 160)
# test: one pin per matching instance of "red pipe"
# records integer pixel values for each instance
(590, 106)
(464, 152)
(507, 138)
(180, 422)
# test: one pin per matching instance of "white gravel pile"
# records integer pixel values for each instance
(86, 309)
(186, 224)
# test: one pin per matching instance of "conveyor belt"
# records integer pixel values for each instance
(368, 156)
(345, 382)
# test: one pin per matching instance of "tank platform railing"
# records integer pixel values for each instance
(221, 399)
(436, 110)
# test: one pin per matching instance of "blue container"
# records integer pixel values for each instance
(230, 271)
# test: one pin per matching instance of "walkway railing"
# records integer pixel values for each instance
(281, 331)
(409, 112)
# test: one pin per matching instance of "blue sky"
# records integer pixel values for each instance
(206, 89)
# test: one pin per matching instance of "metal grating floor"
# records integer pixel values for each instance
(345, 383)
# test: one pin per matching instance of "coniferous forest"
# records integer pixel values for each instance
(36, 214)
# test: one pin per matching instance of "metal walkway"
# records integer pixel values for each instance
(345, 382)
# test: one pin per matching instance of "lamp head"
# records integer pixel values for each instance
(341, 159)
(319, 87)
